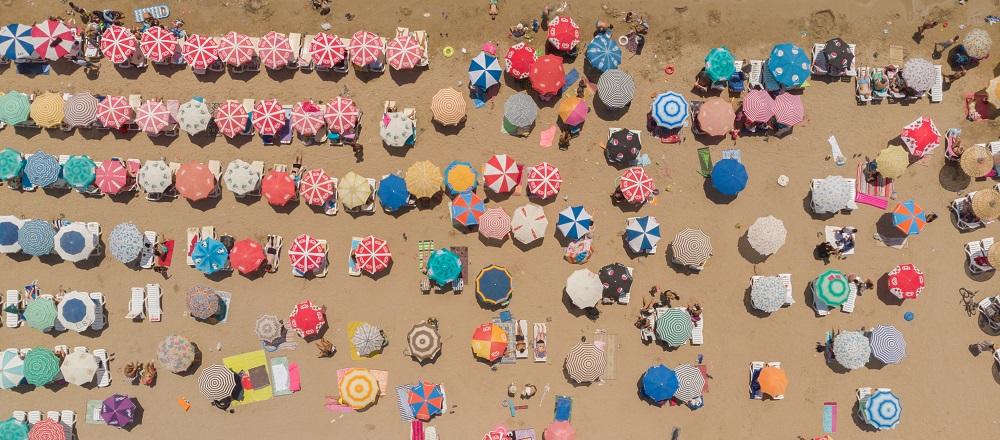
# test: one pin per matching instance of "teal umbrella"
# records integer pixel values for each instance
(40, 313)
(11, 163)
(14, 107)
(41, 366)
(719, 64)
(444, 266)
(11, 429)
(79, 171)
(674, 327)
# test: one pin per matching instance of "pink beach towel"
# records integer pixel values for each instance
(293, 377)
(547, 136)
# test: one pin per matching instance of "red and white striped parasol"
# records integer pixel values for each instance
(494, 223)
(636, 185)
(366, 48)
(544, 180)
(372, 254)
(327, 50)
(758, 106)
(114, 111)
(158, 44)
(231, 118)
(502, 174)
(200, 51)
(52, 39)
(275, 50)
(316, 187)
(788, 109)
(110, 176)
(341, 114)
(236, 49)
(306, 253)
(118, 44)
(404, 52)
(268, 116)
(307, 118)
(152, 117)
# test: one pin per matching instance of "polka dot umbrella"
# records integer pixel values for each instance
(518, 60)
(789, 64)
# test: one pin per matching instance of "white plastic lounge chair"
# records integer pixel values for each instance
(698, 332)
(147, 255)
(68, 417)
(957, 206)
(778, 366)
(937, 90)
(430, 433)
(216, 168)
(258, 167)
(332, 205)
(20, 416)
(305, 55)
(522, 326)
(755, 368)
(786, 279)
(756, 68)
(977, 251)
(99, 318)
(275, 250)
(34, 417)
(295, 41)
(95, 228)
(153, 305)
(103, 370)
(52, 415)
(421, 37)
(852, 297)
(135, 304)
(80, 349)
(13, 298)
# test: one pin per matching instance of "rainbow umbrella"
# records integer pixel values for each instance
(466, 208)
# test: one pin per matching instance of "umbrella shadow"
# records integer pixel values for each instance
(205, 204)
(748, 252)
(540, 201)
(210, 76)
(91, 262)
(382, 273)
(705, 139)
(287, 208)
(995, 369)
(366, 76)
(238, 141)
(626, 206)
(195, 364)
(491, 242)
(748, 304)
(885, 228)
(319, 335)
(244, 76)
(714, 195)
(875, 364)
(91, 134)
(396, 151)
(491, 196)
(836, 367)
(202, 138)
(573, 383)
(169, 69)
(449, 130)
(27, 132)
(329, 75)
(408, 76)
(60, 134)
(952, 178)
(281, 75)
(220, 275)
(807, 207)
(162, 140)
(859, 419)
(606, 113)
(123, 197)
(984, 325)
(429, 203)
(883, 293)
(570, 307)
(56, 192)
(525, 247)
(51, 259)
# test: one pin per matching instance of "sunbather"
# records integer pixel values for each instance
(493, 10)
(825, 250)
(864, 85)
(880, 84)
(540, 350)
(695, 311)
(271, 253)
(702, 82)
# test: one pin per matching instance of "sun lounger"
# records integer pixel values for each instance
(402, 403)
(540, 342)
(424, 249)
(273, 252)
(756, 66)
(93, 414)
(852, 297)
(20, 416)
(822, 309)
(563, 408)
(13, 298)
(67, 417)
(103, 369)
(216, 168)
(430, 433)
(135, 304)
(34, 417)
(295, 41)
(99, 318)
(52, 415)
(755, 368)
(352, 264)
(153, 306)
(148, 254)
(227, 300)
(698, 331)
(304, 61)
(963, 224)
(976, 251)
(463, 256)
(937, 90)
(522, 328)
(778, 366)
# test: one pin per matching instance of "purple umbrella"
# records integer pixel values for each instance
(118, 410)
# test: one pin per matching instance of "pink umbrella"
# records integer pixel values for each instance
(236, 49)
(158, 44)
(788, 109)
(114, 111)
(502, 173)
(316, 187)
(53, 39)
(366, 48)
(200, 51)
(275, 50)
(307, 118)
(110, 176)
(372, 254)
(758, 106)
(327, 50)
(341, 114)
(268, 116)
(636, 185)
(544, 180)
(494, 223)
(152, 117)
(404, 52)
(118, 44)
(231, 118)
(306, 253)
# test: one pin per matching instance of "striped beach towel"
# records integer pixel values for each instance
(402, 403)
(872, 194)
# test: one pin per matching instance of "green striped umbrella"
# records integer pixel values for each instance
(11, 163)
(11, 429)
(719, 64)
(79, 171)
(40, 313)
(41, 366)
(832, 287)
(14, 108)
(674, 327)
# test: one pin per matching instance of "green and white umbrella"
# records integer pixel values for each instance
(674, 327)
(193, 116)
(832, 287)
(240, 178)
(367, 339)
(155, 176)
(11, 163)
(41, 366)
(852, 349)
(125, 242)
(11, 369)
(768, 294)
(40, 313)
(14, 107)
(79, 171)
(11, 429)
(78, 368)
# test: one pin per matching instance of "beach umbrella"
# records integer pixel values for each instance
(316, 187)
(484, 70)
(574, 222)
(268, 328)
(341, 114)
(773, 381)
(906, 281)
(200, 51)
(909, 217)
(788, 109)
(278, 187)
(275, 51)
(563, 33)
(851, 349)
(719, 64)
(832, 287)
(489, 342)
(268, 116)
(118, 410)
(659, 383)
(424, 179)
(460, 176)
(888, 344)
(53, 39)
(210, 256)
(114, 111)
(636, 185)
(47, 110)
(42, 169)
(16, 42)
(36, 238)
(14, 107)
(403, 52)
(547, 75)
(47, 429)
(202, 302)
(365, 48)
(152, 117)
(79, 171)
(118, 43)
(882, 409)
(246, 256)
(985, 204)
(236, 49)
(616, 280)
(716, 117)
(397, 129)
(424, 341)
(467, 208)
(41, 366)
(992, 93)
(158, 44)
(502, 174)
(838, 56)
(125, 242)
(392, 192)
(367, 339)
(977, 43)
(425, 400)
(674, 327)
(40, 313)
(919, 74)
(623, 147)
(585, 362)
(353, 190)
(495, 223)
(306, 319)
(921, 136)
(976, 161)
(766, 235)
(603, 53)
(175, 353)
(193, 116)
(444, 266)
(74, 242)
(306, 253)
(493, 286)
(448, 106)
(11, 370)
(642, 233)
(307, 118)
(616, 88)
(11, 163)
(789, 65)
(327, 50)
(584, 288)
(240, 177)
(194, 181)
(358, 388)
(758, 106)
(9, 228)
(559, 430)
(373, 254)
(519, 59)
(11, 429)
(767, 294)
(691, 383)
(231, 118)
(78, 368)
(573, 110)
(832, 193)
(691, 248)
(670, 110)
(80, 110)
(528, 223)
(217, 382)
(520, 110)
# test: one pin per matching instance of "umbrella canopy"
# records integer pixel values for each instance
(11, 163)
(307, 118)
(448, 106)
(444, 266)
(210, 256)
(460, 176)
(520, 110)
(642, 233)
(502, 174)
(202, 302)
(573, 110)
(275, 50)
(41, 366)
(152, 117)
(316, 187)
(484, 70)
(544, 180)
(909, 217)
(240, 177)
(921, 136)
(14, 107)
(278, 187)
(76, 311)
(691, 383)
(200, 51)
(373, 254)
(306, 319)
(574, 222)
(424, 179)
(36, 238)
(125, 242)
(424, 341)
(158, 44)
(838, 56)
(528, 223)
(353, 190)
(194, 181)
(79, 171)
(268, 328)
(231, 118)
(561, 430)
(495, 223)
(392, 192)
(882, 410)
(42, 169)
(623, 147)
(832, 194)
(789, 65)
(403, 52)
(729, 177)
(114, 111)
(563, 33)
(977, 43)
(691, 248)
(585, 362)
(659, 383)
(236, 49)
(719, 64)
(767, 294)
(47, 110)
(616, 88)
(851, 349)
(986, 204)
(636, 185)
(919, 74)
(489, 342)
(306, 253)
(519, 59)
(47, 429)
(773, 381)
(111, 176)
(832, 287)
(766, 235)
(193, 116)
(906, 281)
(425, 400)
(53, 39)
(976, 161)
(217, 382)
(584, 288)
(175, 353)
(367, 339)
(11, 429)
(327, 50)
(397, 129)
(616, 280)
(670, 110)
(358, 388)
(80, 110)
(603, 53)
(16, 42)
(40, 313)
(493, 286)
(888, 344)
(716, 117)
(547, 75)
(992, 94)
(674, 327)
(11, 370)
(341, 114)
(788, 109)
(467, 208)
(758, 106)
(268, 116)
(118, 44)
(118, 410)
(78, 368)
(365, 48)
(9, 227)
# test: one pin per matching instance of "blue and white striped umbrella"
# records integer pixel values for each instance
(16, 42)
(484, 71)
(36, 238)
(9, 227)
(42, 169)
(210, 256)
(888, 344)
(670, 110)
(642, 233)
(11, 369)
(574, 222)
(883, 410)
(603, 53)
(74, 242)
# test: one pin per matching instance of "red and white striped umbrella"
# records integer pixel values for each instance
(495, 224)
(788, 109)
(152, 117)
(236, 49)
(52, 39)
(110, 176)
(403, 52)
(307, 118)
(366, 48)
(758, 106)
(275, 50)
(306, 253)
(636, 185)
(200, 51)
(327, 50)
(502, 174)
(316, 187)
(231, 118)
(118, 44)
(114, 111)
(268, 116)
(372, 254)
(158, 44)
(544, 180)
(341, 114)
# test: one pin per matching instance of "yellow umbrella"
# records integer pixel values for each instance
(459, 177)
(424, 179)
(353, 190)
(976, 161)
(358, 388)
(47, 110)
(993, 92)
(448, 106)
(892, 162)
(986, 204)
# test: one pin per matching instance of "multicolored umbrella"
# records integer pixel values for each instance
(636, 186)
(306, 253)
(79, 171)
(729, 177)
(194, 181)
(484, 71)
(674, 327)
(78, 368)
(392, 192)
(520, 111)
(547, 75)
(47, 110)
(268, 116)
(118, 43)
(125, 242)
(246, 256)
(670, 110)
(977, 43)
(919, 74)
(691, 248)
(603, 53)
(353, 190)
(76, 311)
(268, 328)
(210, 256)
(519, 59)
(502, 174)
(193, 116)
(466, 208)
(494, 223)
(41, 366)
(448, 106)
(882, 409)
(574, 222)
(616, 279)
(175, 353)
(14, 107)
(832, 194)
(397, 129)
(236, 49)
(716, 117)
(341, 114)
(789, 65)
(851, 349)
(691, 383)
(460, 176)
(373, 255)
(40, 313)
(11, 163)
(642, 233)
(976, 161)
(306, 319)
(493, 286)
(616, 88)
(11, 429)
(766, 235)
(921, 136)
(767, 294)
(80, 110)
(307, 118)
(719, 64)
(11, 370)
(240, 177)
(424, 341)
(327, 50)
(563, 33)
(16, 42)
(906, 281)
(403, 52)
(585, 362)
(584, 288)
(425, 400)
(53, 39)
(36, 238)
(47, 429)
(528, 223)
(758, 106)
(788, 109)
(358, 388)
(573, 110)
(152, 117)
(424, 179)
(832, 287)
(278, 187)
(909, 217)
(155, 176)
(365, 48)
(367, 339)
(202, 302)
(444, 266)
(200, 51)
(114, 111)
(275, 51)
(217, 382)
(659, 383)
(74, 242)
(773, 381)
(489, 342)
(118, 410)
(888, 344)
(231, 118)
(158, 44)
(838, 56)
(316, 187)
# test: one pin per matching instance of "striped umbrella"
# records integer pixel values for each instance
(306, 253)
(986, 204)
(53, 39)
(767, 294)
(729, 177)
(403, 52)
(518, 61)
(573, 110)
(316, 187)
(278, 188)
(495, 224)
(118, 410)
(642, 233)
(544, 180)
(16, 42)
(118, 44)
(246, 256)
(909, 217)
(155, 176)
(616, 88)
(327, 50)
(152, 117)
(125, 242)
(467, 208)
(268, 328)
(194, 181)
(367, 339)
(887, 344)
(202, 302)
(851, 349)
(563, 33)
(976, 161)
(268, 116)
(353, 190)
(484, 71)
(341, 114)
(11, 429)
(758, 106)
(358, 388)
(307, 118)
(47, 429)
(231, 118)
(240, 177)
(425, 400)
(691, 383)
(217, 382)
(424, 179)
(674, 327)
(584, 288)
(78, 171)
(574, 222)
(460, 176)
(78, 368)
(494, 286)
(502, 174)
(11, 369)
(921, 136)
(766, 235)
(603, 53)
(80, 110)
(114, 111)
(548, 75)
(691, 248)
(448, 106)
(158, 44)
(200, 51)
(41, 366)
(36, 238)
(520, 110)
(275, 51)
(76, 311)
(42, 169)
(882, 410)
(9, 227)
(307, 319)
(210, 256)
(670, 110)
(636, 185)
(977, 43)
(14, 107)
(74, 242)
(489, 342)
(393, 193)
(906, 281)
(585, 362)
(236, 49)
(40, 313)
(919, 74)
(528, 223)
(719, 64)
(373, 254)
(832, 287)
(716, 117)
(424, 341)
(788, 109)
(659, 383)
(48, 109)
(365, 48)
(789, 65)
(444, 266)
(175, 353)
(194, 116)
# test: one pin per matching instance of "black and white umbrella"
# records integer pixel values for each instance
(217, 382)
(520, 110)
(585, 362)
(887, 344)
(692, 383)
(616, 88)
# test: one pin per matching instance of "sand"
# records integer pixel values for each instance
(943, 388)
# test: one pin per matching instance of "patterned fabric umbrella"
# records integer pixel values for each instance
(919, 74)
(14, 107)
(246, 256)
(125, 242)
(544, 180)
(659, 383)
(642, 233)
(584, 288)
(758, 106)
(158, 44)
(882, 410)
(838, 56)
(47, 429)
(623, 147)
(9, 228)
(307, 118)
(341, 114)
(460, 176)
(11, 163)
(719, 64)
(424, 179)
(240, 177)
(202, 302)
(616, 88)
(444, 266)
(977, 43)
(851, 349)
(789, 65)
(489, 342)
(16, 42)
(767, 294)
(674, 327)
(278, 187)
(403, 52)
(353, 190)
(78, 368)
(892, 162)
(729, 177)
(195, 181)
(316, 187)
(114, 111)
(118, 410)
(74, 242)
(519, 59)
(365, 48)
(484, 71)
(986, 204)
(766, 235)
(832, 287)
(574, 222)
(41, 366)
(193, 116)
(200, 51)
(906, 281)
(231, 118)
(691, 248)
(691, 383)
(373, 254)
(495, 224)
(788, 109)
(47, 110)
(832, 194)
(563, 33)
(467, 208)
(976, 161)
(236, 49)
(393, 193)
(327, 50)
(307, 253)
(268, 116)
(118, 44)
(585, 362)
(210, 256)
(268, 328)
(80, 110)
(36, 238)
(367, 339)
(573, 110)
(155, 176)
(603, 53)
(358, 388)
(275, 50)
(448, 106)
(11, 429)
(888, 344)
(494, 286)
(397, 129)
(547, 75)
(152, 117)
(425, 400)
(40, 314)
(636, 185)
(11, 370)
(502, 174)
(307, 319)
(79, 172)
(528, 223)
(716, 117)
(909, 217)
(921, 136)
(670, 110)
(52, 39)
(520, 110)
(424, 342)
(175, 353)
(616, 279)
(217, 382)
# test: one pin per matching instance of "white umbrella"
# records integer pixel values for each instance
(79, 367)
(193, 116)
(155, 176)
(852, 349)
(76, 311)
(767, 235)
(584, 288)
(767, 294)
(74, 242)
(832, 194)
(240, 178)
(528, 223)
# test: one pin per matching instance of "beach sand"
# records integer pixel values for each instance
(944, 390)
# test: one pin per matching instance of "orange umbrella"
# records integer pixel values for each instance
(773, 381)
(195, 181)
(489, 342)
(716, 116)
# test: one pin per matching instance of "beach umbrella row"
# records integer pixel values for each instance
(14, 107)
(78, 368)
(80, 110)
(118, 44)
(158, 44)
(365, 48)
(76, 311)
(36, 238)
(327, 50)
(789, 65)
(16, 42)
(716, 117)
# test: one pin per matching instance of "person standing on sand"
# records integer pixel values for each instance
(545, 18)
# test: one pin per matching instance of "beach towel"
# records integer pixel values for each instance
(280, 376)
(838, 156)
(403, 403)
(829, 417)
(294, 379)
(254, 363)
(610, 347)
(873, 194)
(510, 356)
(545, 137)
(703, 368)
(734, 153)
(351, 328)
(333, 404)
(563, 409)
(572, 78)
(705, 159)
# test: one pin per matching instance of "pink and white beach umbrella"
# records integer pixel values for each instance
(316, 187)
(268, 116)
(636, 185)
(502, 174)
(53, 39)
(341, 114)
(231, 118)
(494, 223)
(366, 48)
(758, 106)
(236, 49)
(200, 51)
(114, 111)
(118, 44)
(110, 176)
(544, 180)
(275, 50)
(307, 118)
(372, 254)
(158, 44)
(404, 52)
(327, 50)
(788, 109)
(306, 253)
(152, 117)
